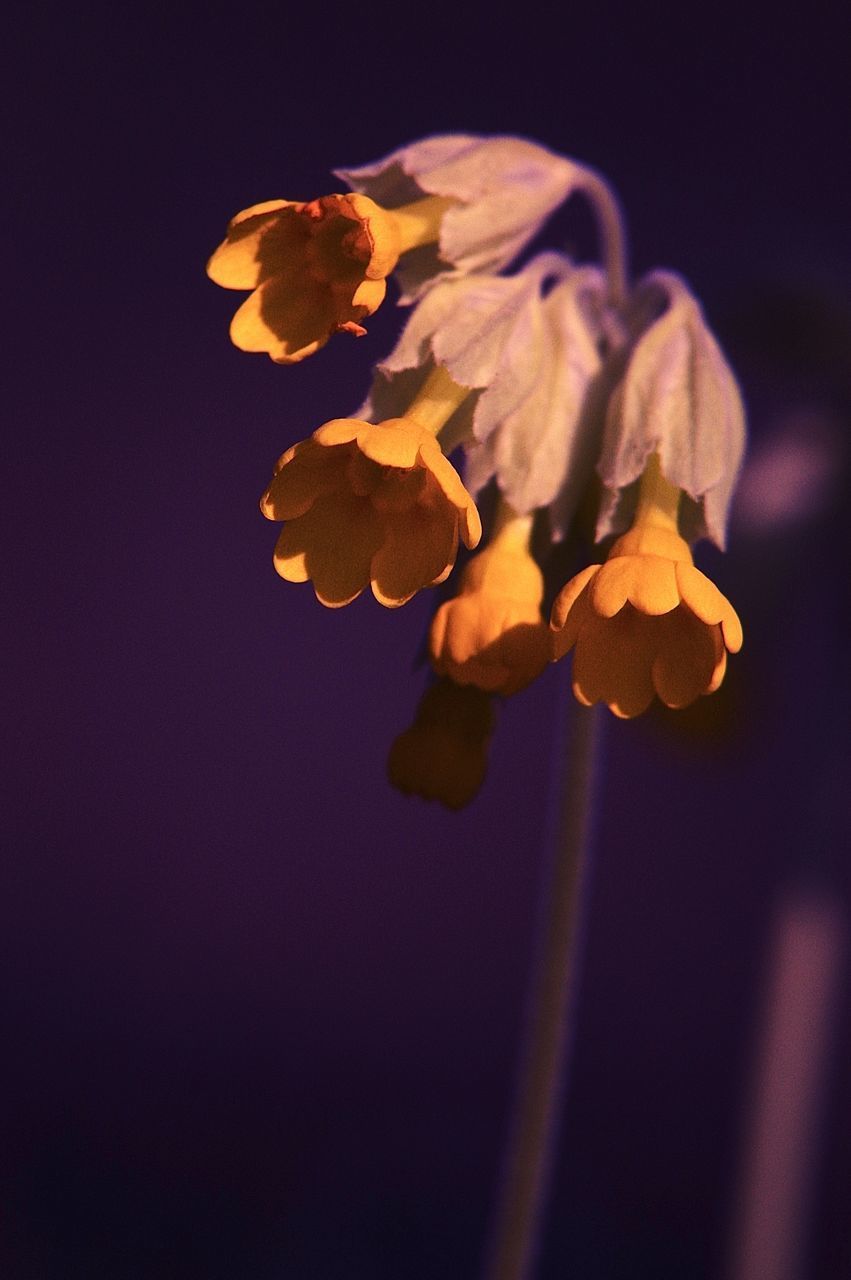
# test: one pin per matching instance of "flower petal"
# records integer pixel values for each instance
(368, 297)
(568, 596)
(339, 431)
(259, 241)
(654, 585)
(687, 658)
(306, 473)
(612, 662)
(432, 456)
(647, 582)
(394, 443)
(417, 546)
(332, 544)
(709, 604)
(290, 317)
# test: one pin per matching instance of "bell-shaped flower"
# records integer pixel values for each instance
(315, 268)
(543, 450)
(647, 621)
(371, 504)
(486, 332)
(499, 193)
(491, 634)
(443, 755)
(678, 399)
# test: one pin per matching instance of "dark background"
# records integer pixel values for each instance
(260, 1013)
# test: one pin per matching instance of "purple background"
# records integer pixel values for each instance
(260, 1013)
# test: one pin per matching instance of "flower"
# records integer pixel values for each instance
(443, 755)
(678, 398)
(499, 191)
(491, 634)
(365, 503)
(315, 268)
(647, 621)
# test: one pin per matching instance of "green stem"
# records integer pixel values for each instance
(532, 1144)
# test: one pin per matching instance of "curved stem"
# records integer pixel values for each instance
(526, 1176)
(612, 233)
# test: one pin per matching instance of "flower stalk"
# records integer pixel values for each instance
(610, 227)
(522, 1200)
(419, 223)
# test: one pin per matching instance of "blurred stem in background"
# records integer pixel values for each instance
(774, 1195)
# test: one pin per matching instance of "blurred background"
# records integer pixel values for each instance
(261, 1013)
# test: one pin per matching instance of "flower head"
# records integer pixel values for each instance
(443, 755)
(369, 504)
(500, 191)
(646, 622)
(491, 634)
(315, 268)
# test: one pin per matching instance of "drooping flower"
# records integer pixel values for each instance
(499, 192)
(647, 621)
(491, 634)
(372, 504)
(316, 268)
(443, 755)
(678, 398)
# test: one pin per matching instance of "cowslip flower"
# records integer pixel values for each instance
(457, 203)
(498, 192)
(443, 755)
(678, 398)
(373, 504)
(491, 634)
(316, 268)
(647, 621)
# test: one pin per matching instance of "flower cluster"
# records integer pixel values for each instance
(561, 386)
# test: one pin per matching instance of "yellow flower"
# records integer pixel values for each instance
(492, 635)
(369, 504)
(443, 756)
(315, 268)
(646, 622)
